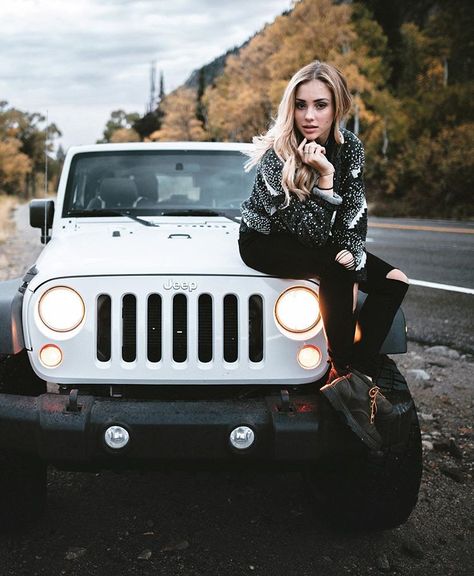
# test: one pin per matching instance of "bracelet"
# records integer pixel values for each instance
(332, 188)
(328, 174)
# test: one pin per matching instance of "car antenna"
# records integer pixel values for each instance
(46, 166)
(46, 156)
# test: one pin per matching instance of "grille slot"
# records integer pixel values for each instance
(255, 328)
(180, 328)
(231, 332)
(205, 332)
(104, 325)
(154, 328)
(129, 328)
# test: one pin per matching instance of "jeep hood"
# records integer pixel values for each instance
(200, 247)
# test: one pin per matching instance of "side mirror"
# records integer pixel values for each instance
(41, 216)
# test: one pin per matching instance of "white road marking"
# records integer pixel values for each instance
(447, 287)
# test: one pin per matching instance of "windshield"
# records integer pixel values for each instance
(157, 182)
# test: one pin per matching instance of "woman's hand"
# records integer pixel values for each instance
(314, 155)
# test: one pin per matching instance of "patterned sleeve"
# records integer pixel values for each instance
(309, 220)
(350, 226)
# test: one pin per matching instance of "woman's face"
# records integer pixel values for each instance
(314, 110)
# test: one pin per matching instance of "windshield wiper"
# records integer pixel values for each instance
(191, 212)
(111, 212)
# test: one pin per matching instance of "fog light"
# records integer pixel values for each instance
(242, 437)
(309, 357)
(116, 437)
(51, 356)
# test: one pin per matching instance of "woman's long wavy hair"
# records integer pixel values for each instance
(283, 136)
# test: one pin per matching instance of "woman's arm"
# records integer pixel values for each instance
(310, 220)
(350, 226)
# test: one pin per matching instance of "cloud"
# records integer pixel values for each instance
(85, 59)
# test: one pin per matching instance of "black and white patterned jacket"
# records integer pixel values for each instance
(320, 220)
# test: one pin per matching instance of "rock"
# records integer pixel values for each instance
(144, 555)
(448, 446)
(452, 472)
(440, 362)
(412, 548)
(74, 553)
(443, 351)
(441, 445)
(426, 417)
(427, 445)
(419, 374)
(382, 563)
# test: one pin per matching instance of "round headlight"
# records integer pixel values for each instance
(297, 309)
(61, 309)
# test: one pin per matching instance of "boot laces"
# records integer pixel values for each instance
(373, 392)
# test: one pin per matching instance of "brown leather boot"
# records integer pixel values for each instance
(350, 396)
(379, 405)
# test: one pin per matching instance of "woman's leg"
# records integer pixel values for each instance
(284, 256)
(386, 287)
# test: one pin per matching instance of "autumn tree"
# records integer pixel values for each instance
(120, 120)
(25, 142)
(180, 122)
(245, 97)
(124, 135)
(14, 165)
(149, 123)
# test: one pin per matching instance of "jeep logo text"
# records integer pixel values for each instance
(175, 285)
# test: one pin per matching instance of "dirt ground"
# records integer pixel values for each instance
(203, 523)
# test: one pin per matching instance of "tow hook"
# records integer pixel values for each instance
(72, 405)
(285, 405)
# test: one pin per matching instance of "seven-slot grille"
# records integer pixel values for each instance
(170, 320)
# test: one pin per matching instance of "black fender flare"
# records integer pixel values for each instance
(11, 326)
(396, 340)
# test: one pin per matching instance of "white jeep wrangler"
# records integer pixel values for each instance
(140, 338)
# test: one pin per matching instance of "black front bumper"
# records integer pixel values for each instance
(53, 428)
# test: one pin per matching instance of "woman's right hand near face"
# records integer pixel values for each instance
(314, 155)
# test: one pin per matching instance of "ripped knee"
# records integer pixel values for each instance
(346, 259)
(396, 274)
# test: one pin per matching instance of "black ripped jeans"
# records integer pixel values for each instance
(284, 256)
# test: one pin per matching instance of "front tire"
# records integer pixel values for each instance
(23, 477)
(362, 489)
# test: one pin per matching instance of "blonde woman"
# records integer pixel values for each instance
(307, 217)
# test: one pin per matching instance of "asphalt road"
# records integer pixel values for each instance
(438, 252)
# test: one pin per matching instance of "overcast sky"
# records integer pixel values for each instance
(79, 60)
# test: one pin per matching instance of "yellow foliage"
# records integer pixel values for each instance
(125, 135)
(180, 122)
(14, 165)
(246, 95)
